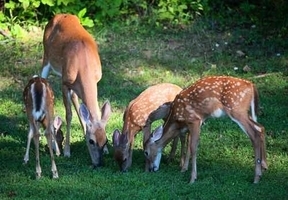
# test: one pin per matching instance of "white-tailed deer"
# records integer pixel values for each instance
(59, 137)
(210, 97)
(71, 52)
(39, 105)
(156, 97)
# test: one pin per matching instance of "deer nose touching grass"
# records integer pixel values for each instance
(213, 96)
(39, 104)
(156, 97)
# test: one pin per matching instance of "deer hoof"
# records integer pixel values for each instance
(192, 180)
(67, 151)
(55, 175)
(183, 169)
(256, 179)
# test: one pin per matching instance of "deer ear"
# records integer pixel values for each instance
(106, 111)
(115, 138)
(57, 122)
(84, 113)
(124, 138)
(157, 134)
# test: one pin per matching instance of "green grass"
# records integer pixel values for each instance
(134, 58)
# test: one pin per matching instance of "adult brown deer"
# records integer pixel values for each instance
(157, 97)
(210, 97)
(71, 52)
(39, 104)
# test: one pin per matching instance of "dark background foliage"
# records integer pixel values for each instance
(269, 15)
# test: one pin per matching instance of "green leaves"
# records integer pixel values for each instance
(20, 15)
(25, 3)
(103, 11)
(85, 21)
(48, 2)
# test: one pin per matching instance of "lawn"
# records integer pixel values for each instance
(133, 58)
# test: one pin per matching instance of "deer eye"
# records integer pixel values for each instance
(146, 153)
(91, 142)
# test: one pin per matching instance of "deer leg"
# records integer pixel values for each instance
(184, 157)
(29, 138)
(55, 145)
(259, 139)
(146, 132)
(194, 129)
(255, 132)
(45, 69)
(53, 134)
(76, 105)
(263, 151)
(128, 162)
(261, 133)
(173, 149)
(48, 135)
(129, 159)
(258, 161)
(67, 104)
(146, 135)
(36, 142)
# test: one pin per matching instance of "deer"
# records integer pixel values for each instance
(38, 98)
(150, 105)
(212, 96)
(72, 53)
(59, 137)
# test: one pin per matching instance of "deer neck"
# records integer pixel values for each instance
(87, 92)
(169, 132)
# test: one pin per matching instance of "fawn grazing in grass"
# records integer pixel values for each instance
(71, 52)
(156, 97)
(210, 97)
(39, 104)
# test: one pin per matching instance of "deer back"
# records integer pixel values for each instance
(213, 97)
(141, 107)
(67, 43)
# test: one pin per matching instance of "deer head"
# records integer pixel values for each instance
(95, 133)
